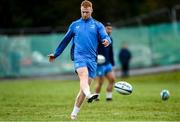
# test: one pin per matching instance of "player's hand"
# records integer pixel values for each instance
(105, 43)
(51, 57)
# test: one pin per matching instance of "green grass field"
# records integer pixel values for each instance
(37, 100)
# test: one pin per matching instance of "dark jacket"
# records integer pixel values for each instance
(124, 56)
(107, 52)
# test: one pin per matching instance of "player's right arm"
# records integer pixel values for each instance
(62, 45)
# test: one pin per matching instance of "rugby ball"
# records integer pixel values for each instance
(123, 87)
(164, 94)
(100, 59)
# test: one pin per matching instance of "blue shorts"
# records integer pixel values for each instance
(102, 70)
(90, 64)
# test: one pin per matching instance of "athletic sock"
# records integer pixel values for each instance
(109, 95)
(75, 111)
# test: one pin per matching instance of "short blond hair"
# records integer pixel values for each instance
(86, 4)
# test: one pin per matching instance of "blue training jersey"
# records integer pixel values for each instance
(84, 35)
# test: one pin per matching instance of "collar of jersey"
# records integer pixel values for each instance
(86, 20)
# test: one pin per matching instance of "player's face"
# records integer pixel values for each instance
(108, 29)
(86, 12)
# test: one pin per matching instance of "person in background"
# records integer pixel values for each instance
(124, 59)
(85, 33)
(105, 70)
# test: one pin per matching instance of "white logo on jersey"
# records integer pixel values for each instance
(92, 26)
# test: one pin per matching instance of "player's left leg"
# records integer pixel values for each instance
(100, 81)
(111, 78)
